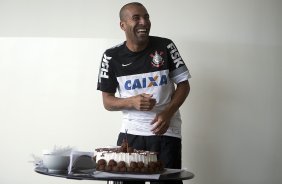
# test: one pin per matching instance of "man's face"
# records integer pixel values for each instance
(136, 24)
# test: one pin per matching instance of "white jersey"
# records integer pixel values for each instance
(155, 71)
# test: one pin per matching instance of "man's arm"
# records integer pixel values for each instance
(142, 102)
(162, 120)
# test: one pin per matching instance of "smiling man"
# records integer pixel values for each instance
(144, 70)
(135, 22)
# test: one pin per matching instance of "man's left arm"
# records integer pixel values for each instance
(162, 120)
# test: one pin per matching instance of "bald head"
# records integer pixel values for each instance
(122, 11)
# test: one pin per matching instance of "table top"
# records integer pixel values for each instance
(182, 175)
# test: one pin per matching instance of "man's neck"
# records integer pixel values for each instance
(136, 47)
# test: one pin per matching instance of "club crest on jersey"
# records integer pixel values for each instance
(157, 60)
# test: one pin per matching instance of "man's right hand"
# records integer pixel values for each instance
(143, 102)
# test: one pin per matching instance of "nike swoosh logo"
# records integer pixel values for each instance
(126, 64)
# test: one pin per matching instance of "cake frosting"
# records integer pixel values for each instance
(127, 159)
(136, 156)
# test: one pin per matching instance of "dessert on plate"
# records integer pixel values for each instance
(125, 159)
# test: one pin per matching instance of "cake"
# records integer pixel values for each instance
(126, 159)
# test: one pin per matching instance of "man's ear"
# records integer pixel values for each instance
(121, 24)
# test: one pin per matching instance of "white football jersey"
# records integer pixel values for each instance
(154, 70)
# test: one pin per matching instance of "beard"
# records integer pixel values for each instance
(142, 40)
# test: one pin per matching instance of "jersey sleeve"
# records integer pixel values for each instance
(107, 81)
(177, 68)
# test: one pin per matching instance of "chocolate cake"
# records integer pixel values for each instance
(125, 159)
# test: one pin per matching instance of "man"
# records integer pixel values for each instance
(145, 69)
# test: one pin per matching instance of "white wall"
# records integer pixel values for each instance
(49, 57)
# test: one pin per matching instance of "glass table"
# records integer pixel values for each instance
(181, 175)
